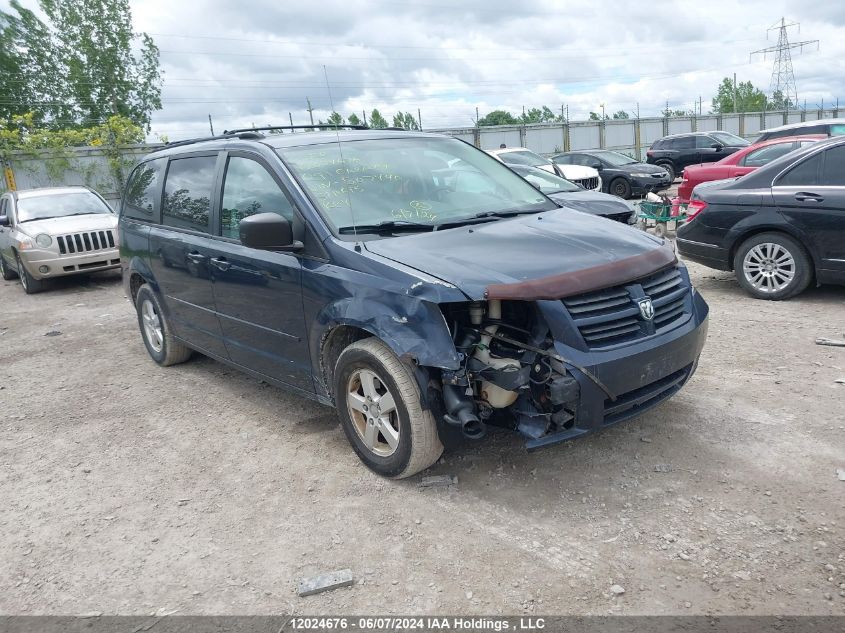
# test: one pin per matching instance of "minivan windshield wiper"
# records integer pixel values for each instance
(390, 226)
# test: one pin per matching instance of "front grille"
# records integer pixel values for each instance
(85, 242)
(612, 316)
(588, 183)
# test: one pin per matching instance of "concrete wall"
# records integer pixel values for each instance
(622, 135)
(87, 166)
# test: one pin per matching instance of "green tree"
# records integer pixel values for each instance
(377, 121)
(621, 115)
(353, 119)
(537, 115)
(335, 119)
(405, 120)
(748, 98)
(673, 113)
(498, 117)
(594, 116)
(779, 102)
(85, 63)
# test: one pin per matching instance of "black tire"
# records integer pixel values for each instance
(670, 169)
(7, 273)
(164, 349)
(792, 269)
(418, 445)
(620, 187)
(28, 282)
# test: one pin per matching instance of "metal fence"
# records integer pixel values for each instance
(630, 136)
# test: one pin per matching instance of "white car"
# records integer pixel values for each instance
(586, 177)
(53, 232)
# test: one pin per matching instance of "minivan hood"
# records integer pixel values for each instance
(69, 224)
(551, 245)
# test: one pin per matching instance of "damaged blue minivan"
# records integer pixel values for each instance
(409, 280)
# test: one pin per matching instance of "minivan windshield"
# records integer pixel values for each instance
(426, 181)
(59, 205)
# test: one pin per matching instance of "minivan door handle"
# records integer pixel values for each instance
(197, 258)
(805, 196)
(220, 263)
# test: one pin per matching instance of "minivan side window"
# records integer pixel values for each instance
(249, 189)
(187, 193)
(833, 172)
(804, 174)
(141, 191)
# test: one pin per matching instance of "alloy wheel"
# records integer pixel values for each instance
(152, 325)
(769, 267)
(373, 412)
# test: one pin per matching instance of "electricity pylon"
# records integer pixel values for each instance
(782, 87)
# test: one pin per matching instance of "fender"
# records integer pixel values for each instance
(414, 329)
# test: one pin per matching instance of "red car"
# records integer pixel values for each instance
(741, 162)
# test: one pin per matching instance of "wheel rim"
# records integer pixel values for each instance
(769, 267)
(21, 274)
(373, 412)
(620, 189)
(152, 325)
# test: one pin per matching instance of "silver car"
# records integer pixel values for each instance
(53, 232)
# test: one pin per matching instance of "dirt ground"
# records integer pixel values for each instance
(127, 488)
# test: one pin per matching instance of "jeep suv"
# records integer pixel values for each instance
(411, 281)
(677, 151)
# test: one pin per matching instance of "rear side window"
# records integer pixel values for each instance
(187, 193)
(249, 189)
(833, 171)
(140, 201)
(803, 174)
(684, 142)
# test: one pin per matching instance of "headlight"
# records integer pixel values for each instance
(638, 174)
(24, 242)
(43, 240)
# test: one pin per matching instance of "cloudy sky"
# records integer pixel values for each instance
(257, 61)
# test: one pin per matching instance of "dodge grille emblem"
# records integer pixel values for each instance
(646, 308)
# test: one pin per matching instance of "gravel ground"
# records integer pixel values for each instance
(131, 489)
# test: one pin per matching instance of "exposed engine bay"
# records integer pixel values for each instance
(510, 375)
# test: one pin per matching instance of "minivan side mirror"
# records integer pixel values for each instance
(268, 232)
(4, 220)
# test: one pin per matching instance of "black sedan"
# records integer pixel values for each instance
(779, 228)
(568, 194)
(621, 175)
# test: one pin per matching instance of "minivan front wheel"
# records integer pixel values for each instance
(772, 266)
(378, 402)
(156, 331)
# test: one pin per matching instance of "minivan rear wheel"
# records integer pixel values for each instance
(772, 266)
(378, 402)
(156, 331)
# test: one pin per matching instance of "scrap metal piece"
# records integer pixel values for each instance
(832, 342)
(324, 582)
(438, 480)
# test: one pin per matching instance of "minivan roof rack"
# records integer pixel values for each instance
(330, 126)
(199, 139)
